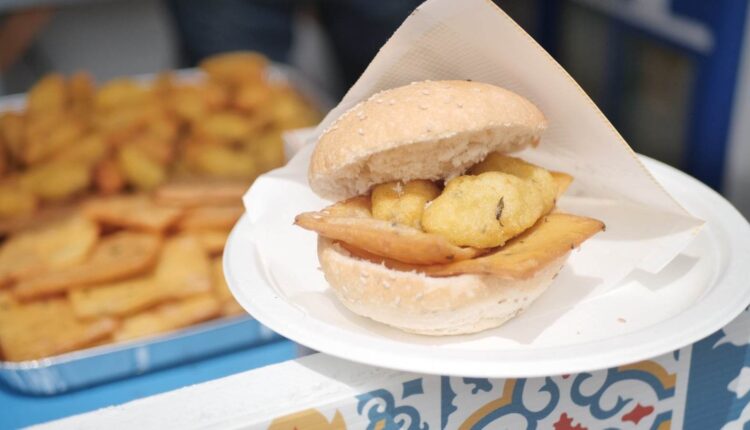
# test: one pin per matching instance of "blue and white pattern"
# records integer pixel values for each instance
(703, 386)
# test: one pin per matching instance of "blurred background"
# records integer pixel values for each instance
(673, 76)
(669, 74)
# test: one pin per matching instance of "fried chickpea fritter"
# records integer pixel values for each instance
(486, 210)
(403, 203)
(497, 162)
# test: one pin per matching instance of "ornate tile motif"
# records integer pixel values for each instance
(703, 386)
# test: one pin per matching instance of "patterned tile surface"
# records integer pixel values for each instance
(645, 395)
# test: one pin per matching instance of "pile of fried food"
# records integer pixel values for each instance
(116, 202)
(75, 138)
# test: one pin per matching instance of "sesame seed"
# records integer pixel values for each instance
(360, 132)
(476, 90)
(460, 105)
(398, 188)
(423, 107)
(426, 92)
(378, 101)
(391, 102)
(397, 300)
(386, 285)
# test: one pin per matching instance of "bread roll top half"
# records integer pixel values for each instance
(425, 130)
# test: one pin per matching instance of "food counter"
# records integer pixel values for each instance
(703, 386)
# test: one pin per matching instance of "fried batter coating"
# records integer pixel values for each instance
(497, 162)
(486, 210)
(403, 203)
(351, 222)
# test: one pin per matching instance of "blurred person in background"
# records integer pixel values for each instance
(356, 29)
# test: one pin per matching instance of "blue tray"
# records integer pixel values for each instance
(62, 373)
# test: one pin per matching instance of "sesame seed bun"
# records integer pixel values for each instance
(426, 130)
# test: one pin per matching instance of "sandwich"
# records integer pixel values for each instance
(436, 229)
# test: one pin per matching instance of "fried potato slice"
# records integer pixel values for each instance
(48, 94)
(187, 103)
(223, 126)
(121, 92)
(51, 136)
(235, 68)
(56, 181)
(289, 110)
(183, 270)
(81, 91)
(86, 151)
(38, 219)
(521, 258)
(115, 257)
(120, 125)
(553, 236)
(268, 150)
(160, 150)
(163, 128)
(184, 267)
(200, 193)
(252, 97)
(16, 201)
(46, 328)
(221, 161)
(134, 211)
(351, 221)
(169, 316)
(116, 298)
(485, 211)
(562, 182)
(139, 169)
(54, 246)
(403, 203)
(214, 94)
(210, 217)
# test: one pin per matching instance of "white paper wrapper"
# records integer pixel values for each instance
(473, 39)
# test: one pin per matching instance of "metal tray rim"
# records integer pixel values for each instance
(93, 352)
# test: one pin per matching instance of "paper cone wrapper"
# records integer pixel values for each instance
(474, 39)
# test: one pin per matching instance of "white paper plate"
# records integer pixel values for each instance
(699, 292)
